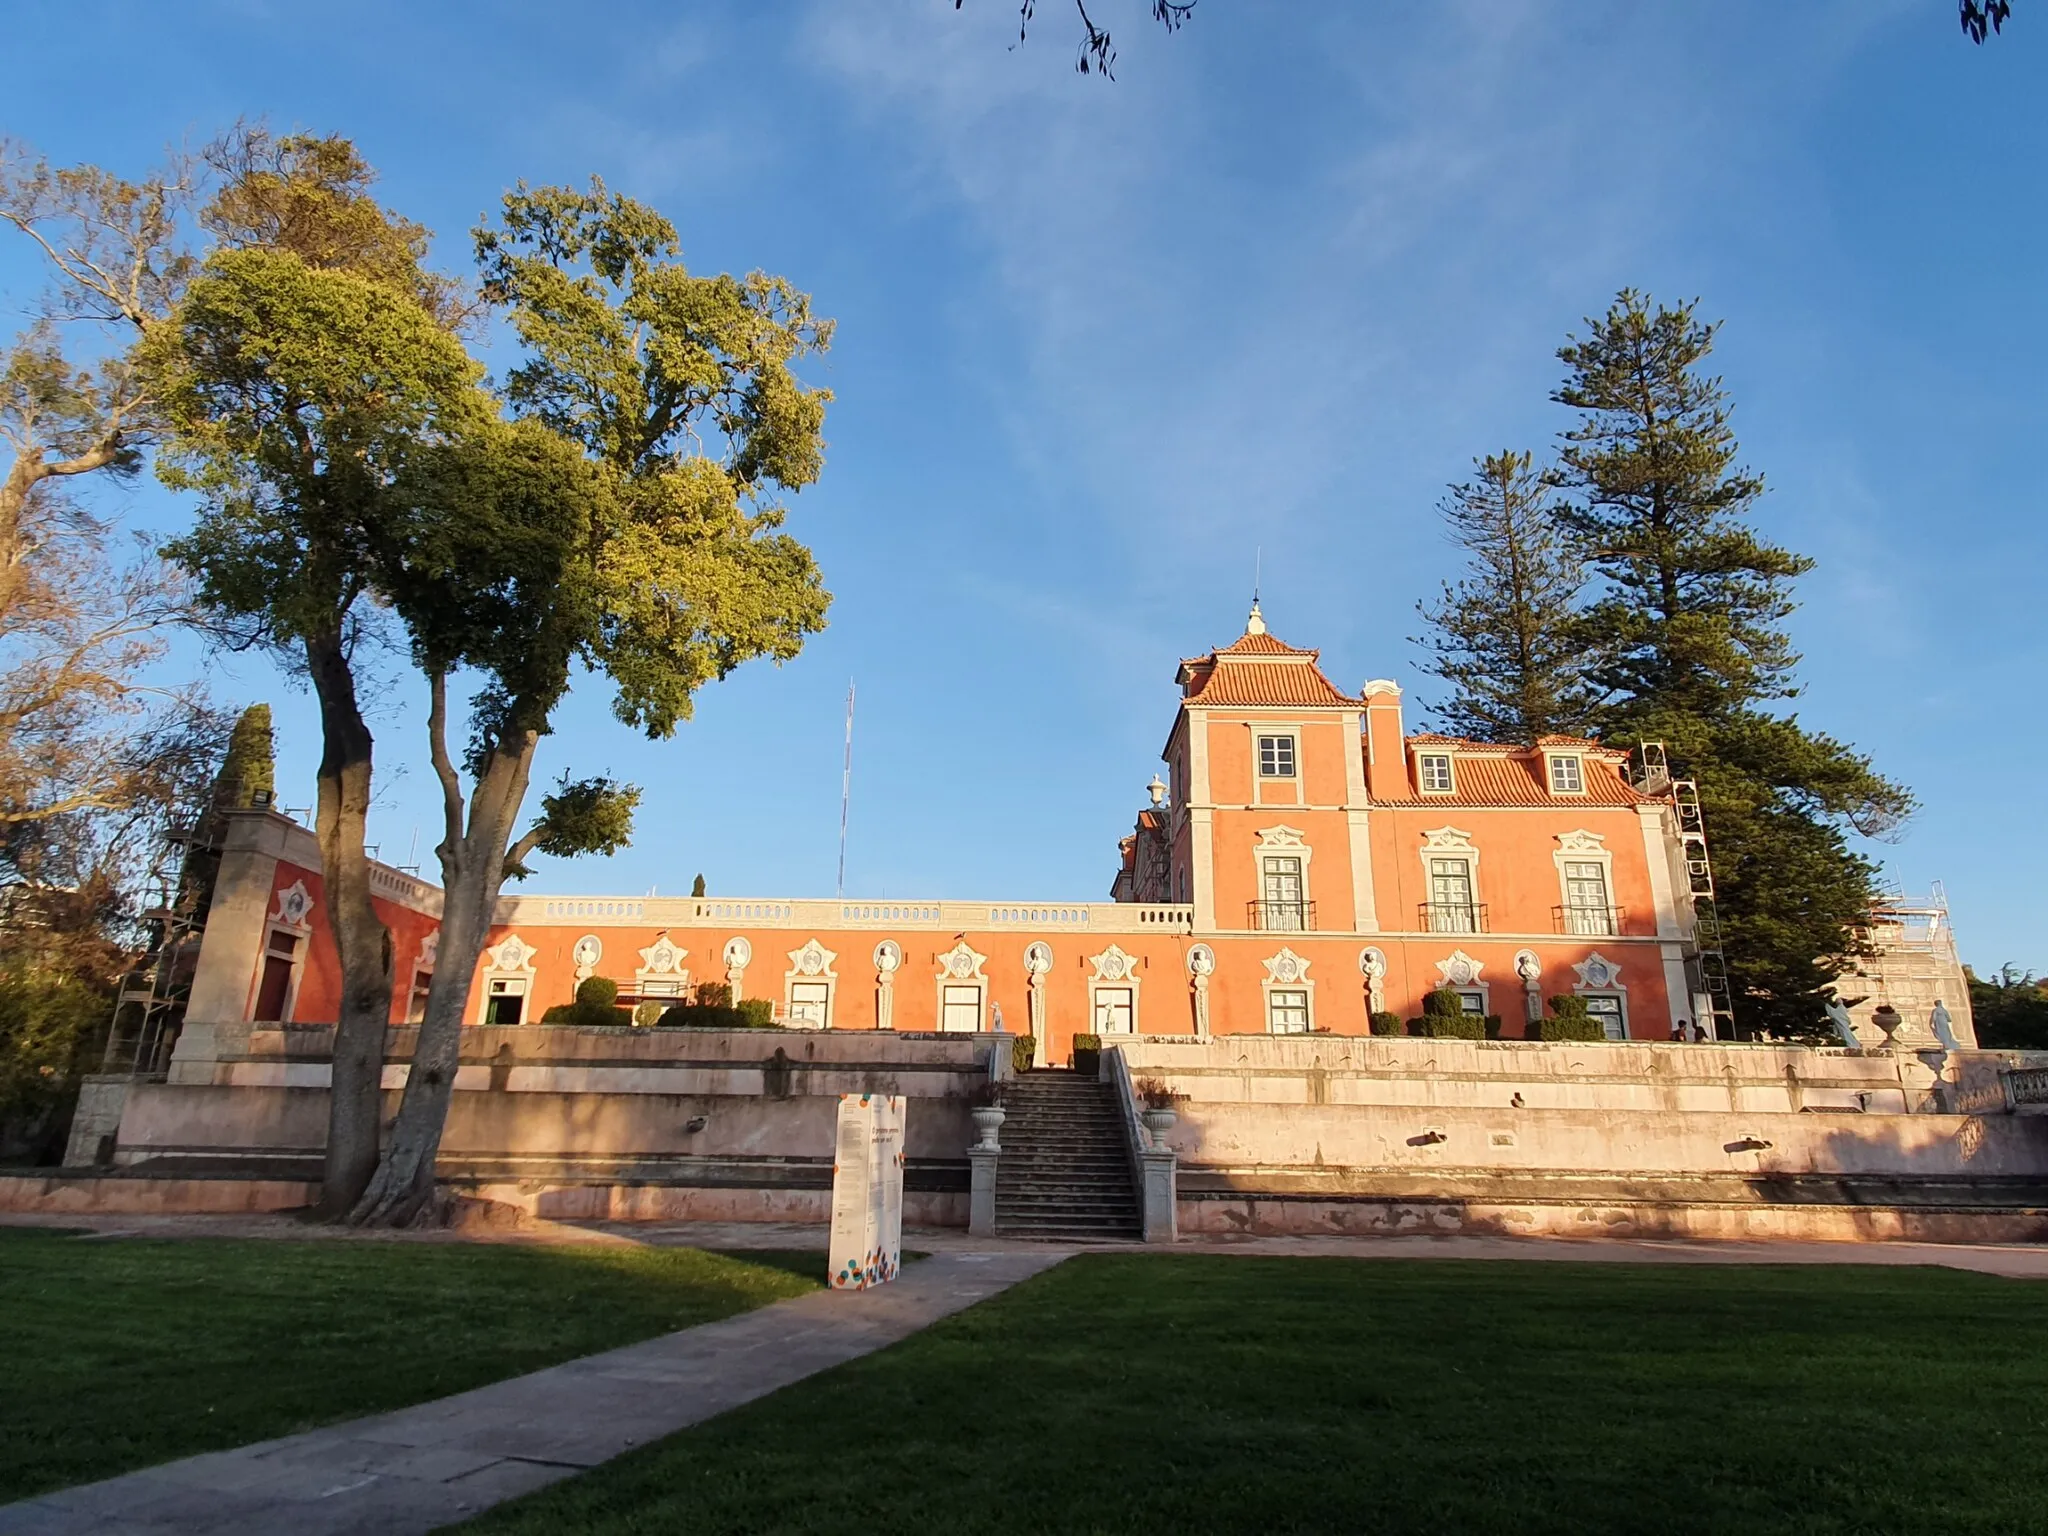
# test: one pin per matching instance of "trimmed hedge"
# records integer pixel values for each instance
(1443, 1003)
(589, 1015)
(1088, 1055)
(597, 991)
(1569, 1020)
(1387, 1024)
(1022, 1050)
(1440, 1026)
(751, 1013)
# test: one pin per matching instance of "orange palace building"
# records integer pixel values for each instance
(1305, 864)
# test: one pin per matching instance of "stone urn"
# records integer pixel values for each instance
(988, 1119)
(1158, 1122)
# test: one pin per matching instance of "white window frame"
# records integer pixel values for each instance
(1576, 761)
(506, 984)
(961, 966)
(302, 938)
(1292, 737)
(1308, 1010)
(1285, 843)
(980, 991)
(1422, 784)
(1579, 846)
(811, 962)
(1115, 971)
(1620, 1000)
(510, 959)
(1611, 985)
(1462, 974)
(1450, 843)
(1287, 972)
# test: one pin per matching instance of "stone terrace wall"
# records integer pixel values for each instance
(1263, 1110)
(543, 1110)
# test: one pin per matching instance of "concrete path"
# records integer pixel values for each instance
(440, 1462)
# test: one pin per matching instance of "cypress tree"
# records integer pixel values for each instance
(1686, 639)
(1501, 636)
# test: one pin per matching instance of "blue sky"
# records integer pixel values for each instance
(1272, 289)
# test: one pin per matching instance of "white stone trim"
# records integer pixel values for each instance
(1450, 842)
(1579, 846)
(509, 960)
(1115, 969)
(1286, 972)
(662, 961)
(812, 962)
(738, 954)
(1461, 973)
(958, 967)
(1601, 977)
(888, 960)
(1201, 962)
(1286, 842)
(1372, 965)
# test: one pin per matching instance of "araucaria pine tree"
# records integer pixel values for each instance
(1502, 636)
(1686, 644)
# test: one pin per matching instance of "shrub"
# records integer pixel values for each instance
(647, 1015)
(597, 991)
(713, 994)
(52, 1031)
(1443, 1003)
(1387, 1024)
(1569, 1020)
(1023, 1051)
(1493, 1026)
(752, 1013)
(588, 1015)
(985, 1095)
(1443, 1026)
(757, 1013)
(1088, 1055)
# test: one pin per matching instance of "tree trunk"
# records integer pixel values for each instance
(354, 1105)
(473, 870)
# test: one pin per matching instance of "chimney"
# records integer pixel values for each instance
(1386, 754)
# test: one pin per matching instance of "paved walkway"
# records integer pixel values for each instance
(427, 1466)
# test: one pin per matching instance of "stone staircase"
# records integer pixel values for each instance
(1066, 1169)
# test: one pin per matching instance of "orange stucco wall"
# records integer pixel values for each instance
(318, 997)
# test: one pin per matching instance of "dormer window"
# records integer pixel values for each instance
(1567, 776)
(1434, 771)
(1276, 757)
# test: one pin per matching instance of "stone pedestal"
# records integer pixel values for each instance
(981, 1198)
(96, 1125)
(1161, 1194)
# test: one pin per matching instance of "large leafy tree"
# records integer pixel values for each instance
(627, 522)
(1501, 635)
(307, 358)
(1686, 632)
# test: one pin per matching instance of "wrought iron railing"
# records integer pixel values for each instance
(1588, 922)
(1281, 916)
(1452, 916)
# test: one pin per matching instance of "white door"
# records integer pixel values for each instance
(1113, 1010)
(809, 1004)
(960, 1010)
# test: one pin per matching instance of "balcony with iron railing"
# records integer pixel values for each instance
(1589, 922)
(1452, 917)
(1280, 916)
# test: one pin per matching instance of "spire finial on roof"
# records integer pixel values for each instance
(1256, 623)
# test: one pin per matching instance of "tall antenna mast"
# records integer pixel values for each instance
(1258, 569)
(845, 788)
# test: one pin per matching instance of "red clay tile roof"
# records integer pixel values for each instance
(1487, 774)
(1259, 670)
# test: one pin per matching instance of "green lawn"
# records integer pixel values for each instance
(1134, 1393)
(118, 1353)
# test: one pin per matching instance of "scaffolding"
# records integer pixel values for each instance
(149, 1003)
(1713, 1001)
